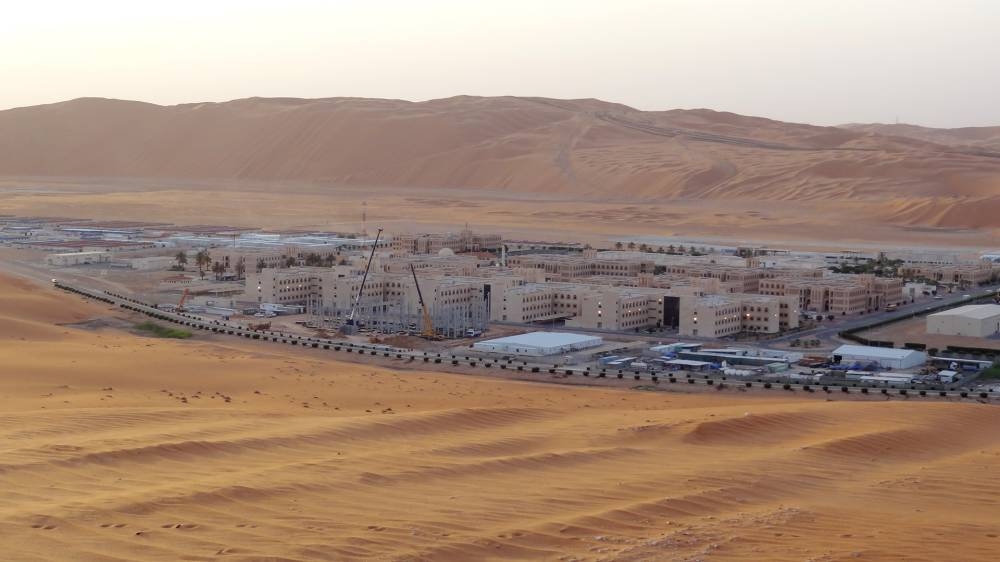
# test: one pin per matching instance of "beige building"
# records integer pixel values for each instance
(560, 267)
(254, 259)
(977, 273)
(717, 316)
(464, 241)
(78, 258)
(389, 300)
(976, 320)
(837, 294)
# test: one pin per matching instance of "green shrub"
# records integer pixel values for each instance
(991, 373)
(162, 331)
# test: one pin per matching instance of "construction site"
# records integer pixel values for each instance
(467, 284)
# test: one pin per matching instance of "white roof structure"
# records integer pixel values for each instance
(977, 311)
(873, 352)
(887, 357)
(539, 343)
(688, 363)
(887, 378)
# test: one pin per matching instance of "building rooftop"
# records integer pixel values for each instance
(545, 339)
(878, 352)
(977, 311)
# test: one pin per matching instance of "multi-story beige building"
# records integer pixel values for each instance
(464, 241)
(717, 316)
(283, 286)
(442, 265)
(568, 267)
(389, 300)
(255, 259)
(977, 273)
(610, 291)
(837, 294)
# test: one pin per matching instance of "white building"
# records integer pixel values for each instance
(886, 357)
(537, 344)
(975, 320)
(78, 258)
(152, 263)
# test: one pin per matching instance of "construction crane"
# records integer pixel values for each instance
(428, 327)
(349, 326)
(180, 305)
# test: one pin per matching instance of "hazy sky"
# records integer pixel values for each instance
(821, 61)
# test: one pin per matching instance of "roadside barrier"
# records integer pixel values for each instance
(132, 304)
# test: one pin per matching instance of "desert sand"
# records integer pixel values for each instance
(525, 164)
(115, 446)
(982, 137)
(795, 224)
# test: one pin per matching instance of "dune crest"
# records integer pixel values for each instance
(580, 148)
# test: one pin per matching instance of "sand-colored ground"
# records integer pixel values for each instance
(915, 330)
(787, 223)
(120, 447)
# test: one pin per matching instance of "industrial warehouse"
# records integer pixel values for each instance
(886, 358)
(539, 344)
(979, 321)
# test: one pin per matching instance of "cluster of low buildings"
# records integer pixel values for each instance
(469, 279)
(707, 296)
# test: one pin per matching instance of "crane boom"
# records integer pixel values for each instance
(364, 278)
(184, 298)
(428, 328)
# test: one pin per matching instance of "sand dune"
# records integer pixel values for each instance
(982, 137)
(120, 447)
(579, 149)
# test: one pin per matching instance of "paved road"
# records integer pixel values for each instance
(443, 359)
(828, 329)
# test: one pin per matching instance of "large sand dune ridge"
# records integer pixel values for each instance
(585, 149)
(120, 447)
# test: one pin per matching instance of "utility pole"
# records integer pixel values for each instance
(364, 219)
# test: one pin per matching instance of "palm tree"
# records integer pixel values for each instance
(182, 259)
(290, 261)
(681, 249)
(671, 249)
(240, 268)
(619, 245)
(261, 264)
(644, 247)
(218, 269)
(631, 245)
(202, 260)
